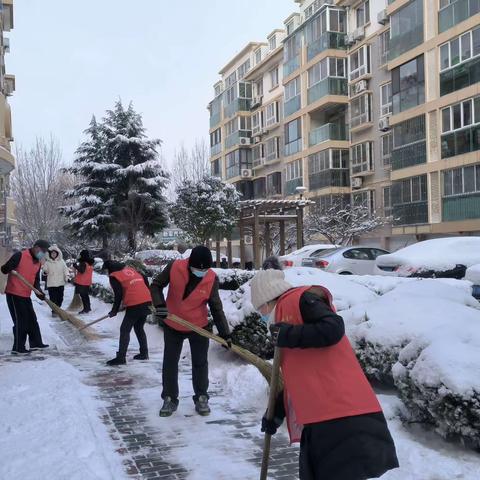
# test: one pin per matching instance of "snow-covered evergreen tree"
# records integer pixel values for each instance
(206, 208)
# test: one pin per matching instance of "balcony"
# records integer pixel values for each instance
(328, 86)
(258, 162)
(460, 76)
(461, 141)
(292, 106)
(293, 147)
(405, 42)
(333, 40)
(461, 207)
(238, 138)
(215, 149)
(414, 154)
(238, 105)
(410, 213)
(290, 66)
(456, 12)
(329, 178)
(291, 186)
(215, 120)
(328, 132)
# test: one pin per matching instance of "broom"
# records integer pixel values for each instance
(59, 311)
(264, 367)
(76, 303)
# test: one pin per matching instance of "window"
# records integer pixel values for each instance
(408, 132)
(274, 77)
(328, 67)
(361, 157)
(272, 42)
(384, 38)
(218, 89)
(216, 137)
(292, 89)
(327, 160)
(358, 253)
(231, 79)
(274, 183)
(460, 49)
(363, 14)
(406, 28)
(243, 69)
(365, 199)
(272, 149)
(245, 123)
(258, 56)
(461, 181)
(290, 27)
(461, 115)
(231, 127)
(291, 48)
(359, 63)
(360, 110)
(410, 190)
(216, 168)
(257, 155)
(386, 147)
(271, 114)
(293, 137)
(387, 201)
(259, 88)
(257, 123)
(236, 161)
(293, 170)
(408, 85)
(385, 99)
(336, 20)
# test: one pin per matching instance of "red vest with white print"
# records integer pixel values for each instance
(135, 291)
(86, 278)
(28, 268)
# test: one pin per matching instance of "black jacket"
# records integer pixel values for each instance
(13, 262)
(214, 302)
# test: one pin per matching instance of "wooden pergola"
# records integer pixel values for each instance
(256, 213)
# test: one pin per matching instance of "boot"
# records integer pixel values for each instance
(38, 347)
(201, 406)
(169, 407)
(84, 312)
(20, 351)
(141, 356)
(118, 360)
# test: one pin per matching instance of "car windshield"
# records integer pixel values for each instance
(326, 253)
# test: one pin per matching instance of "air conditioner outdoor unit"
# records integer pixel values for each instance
(384, 124)
(248, 239)
(245, 141)
(350, 40)
(246, 173)
(360, 87)
(256, 139)
(382, 17)
(256, 102)
(357, 182)
(359, 34)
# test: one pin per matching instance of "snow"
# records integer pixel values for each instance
(473, 274)
(157, 257)
(438, 254)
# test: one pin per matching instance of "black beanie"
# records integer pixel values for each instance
(201, 258)
(43, 244)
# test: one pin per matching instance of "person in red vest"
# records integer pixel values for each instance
(328, 402)
(27, 263)
(192, 286)
(132, 289)
(84, 278)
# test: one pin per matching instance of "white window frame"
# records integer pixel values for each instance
(294, 170)
(269, 118)
(316, 70)
(366, 14)
(386, 103)
(363, 117)
(257, 123)
(463, 125)
(362, 69)
(361, 155)
(448, 46)
(386, 157)
(291, 93)
(275, 77)
(272, 154)
(272, 42)
(258, 56)
(476, 182)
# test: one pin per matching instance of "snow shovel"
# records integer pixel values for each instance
(59, 311)
(94, 322)
(274, 383)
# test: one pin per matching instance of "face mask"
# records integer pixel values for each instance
(40, 255)
(270, 318)
(198, 273)
(265, 318)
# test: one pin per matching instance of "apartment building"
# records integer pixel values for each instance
(380, 106)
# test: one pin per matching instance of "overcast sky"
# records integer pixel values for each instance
(73, 59)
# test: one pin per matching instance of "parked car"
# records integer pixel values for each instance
(438, 258)
(295, 258)
(473, 275)
(346, 260)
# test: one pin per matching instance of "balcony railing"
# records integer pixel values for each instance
(461, 141)
(290, 66)
(414, 154)
(291, 186)
(456, 12)
(334, 40)
(215, 119)
(461, 76)
(329, 178)
(215, 149)
(238, 105)
(292, 106)
(410, 213)
(402, 43)
(234, 138)
(293, 147)
(329, 131)
(328, 86)
(461, 207)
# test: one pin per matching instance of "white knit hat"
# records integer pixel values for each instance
(267, 285)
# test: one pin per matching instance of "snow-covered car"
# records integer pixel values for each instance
(473, 275)
(346, 260)
(295, 258)
(437, 258)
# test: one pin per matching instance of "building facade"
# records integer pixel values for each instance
(362, 102)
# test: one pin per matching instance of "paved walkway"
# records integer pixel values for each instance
(185, 446)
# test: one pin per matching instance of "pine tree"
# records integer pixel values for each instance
(90, 216)
(137, 179)
(206, 208)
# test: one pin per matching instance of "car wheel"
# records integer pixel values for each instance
(345, 273)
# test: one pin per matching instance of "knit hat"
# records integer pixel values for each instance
(267, 285)
(201, 258)
(43, 244)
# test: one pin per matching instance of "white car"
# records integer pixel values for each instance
(346, 260)
(441, 257)
(295, 258)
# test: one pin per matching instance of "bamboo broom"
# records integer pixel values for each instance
(264, 367)
(59, 311)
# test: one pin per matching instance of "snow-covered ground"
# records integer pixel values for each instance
(50, 424)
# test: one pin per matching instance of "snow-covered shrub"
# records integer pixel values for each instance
(252, 334)
(157, 258)
(232, 279)
(102, 292)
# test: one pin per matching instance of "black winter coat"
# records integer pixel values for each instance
(351, 448)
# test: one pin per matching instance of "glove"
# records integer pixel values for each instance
(161, 313)
(228, 338)
(271, 426)
(112, 314)
(40, 295)
(276, 330)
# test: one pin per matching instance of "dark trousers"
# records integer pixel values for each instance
(24, 322)
(171, 356)
(135, 318)
(83, 291)
(56, 295)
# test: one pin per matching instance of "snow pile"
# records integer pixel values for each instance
(440, 254)
(65, 439)
(157, 257)
(473, 274)
(233, 278)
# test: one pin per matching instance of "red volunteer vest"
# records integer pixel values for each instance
(320, 383)
(28, 269)
(194, 307)
(84, 278)
(135, 292)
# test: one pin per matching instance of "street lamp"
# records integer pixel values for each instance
(301, 190)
